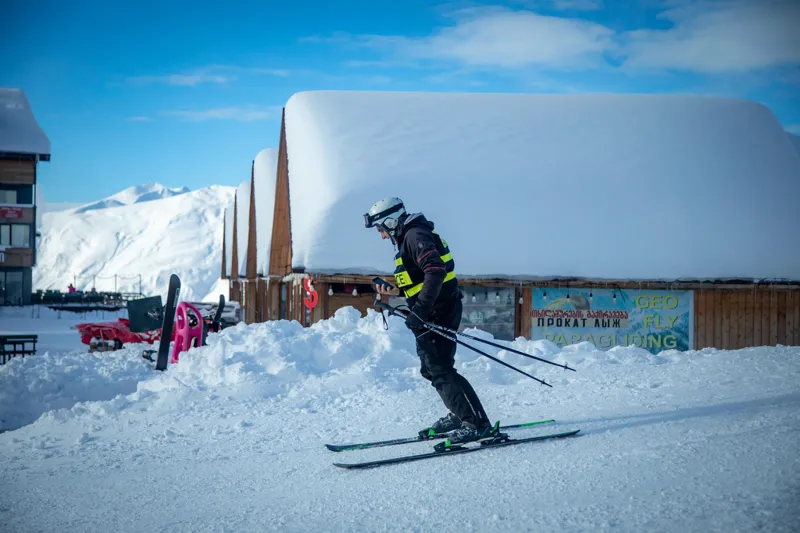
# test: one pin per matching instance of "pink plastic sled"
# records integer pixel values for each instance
(188, 330)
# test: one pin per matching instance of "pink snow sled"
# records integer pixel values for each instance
(188, 329)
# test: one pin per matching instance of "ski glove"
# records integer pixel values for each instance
(413, 320)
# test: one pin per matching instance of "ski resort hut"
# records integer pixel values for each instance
(248, 229)
(663, 221)
(22, 145)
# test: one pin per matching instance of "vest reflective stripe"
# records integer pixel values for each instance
(407, 285)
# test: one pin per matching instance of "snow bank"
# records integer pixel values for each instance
(595, 186)
(19, 131)
(265, 174)
(36, 385)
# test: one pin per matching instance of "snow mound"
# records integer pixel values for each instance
(134, 195)
(332, 359)
(179, 234)
(36, 385)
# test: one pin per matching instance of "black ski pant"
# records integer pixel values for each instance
(437, 357)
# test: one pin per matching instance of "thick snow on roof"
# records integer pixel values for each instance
(228, 239)
(242, 224)
(19, 131)
(265, 171)
(795, 142)
(595, 186)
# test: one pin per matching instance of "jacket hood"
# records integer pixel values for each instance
(412, 221)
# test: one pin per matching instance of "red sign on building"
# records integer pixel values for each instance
(10, 212)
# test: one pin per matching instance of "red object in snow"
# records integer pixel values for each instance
(117, 331)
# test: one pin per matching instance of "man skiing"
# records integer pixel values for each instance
(424, 272)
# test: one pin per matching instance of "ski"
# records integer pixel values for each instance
(453, 450)
(169, 319)
(423, 436)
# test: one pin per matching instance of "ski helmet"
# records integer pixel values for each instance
(385, 214)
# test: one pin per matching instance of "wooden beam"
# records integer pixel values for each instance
(280, 257)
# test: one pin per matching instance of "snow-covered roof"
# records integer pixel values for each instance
(595, 186)
(242, 224)
(19, 131)
(228, 239)
(265, 171)
(795, 142)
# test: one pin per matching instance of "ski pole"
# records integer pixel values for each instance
(450, 336)
(490, 343)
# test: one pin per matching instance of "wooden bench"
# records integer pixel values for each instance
(17, 345)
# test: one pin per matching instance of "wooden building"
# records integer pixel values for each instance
(659, 221)
(22, 146)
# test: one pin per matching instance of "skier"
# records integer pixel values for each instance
(424, 271)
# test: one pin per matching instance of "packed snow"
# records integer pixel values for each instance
(595, 186)
(231, 438)
(19, 131)
(134, 195)
(179, 234)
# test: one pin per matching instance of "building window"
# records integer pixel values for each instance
(15, 235)
(8, 197)
(490, 309)
(11, 289)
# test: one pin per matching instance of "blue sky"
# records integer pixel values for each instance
(187, 93)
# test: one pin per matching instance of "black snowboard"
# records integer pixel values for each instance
(169, 319)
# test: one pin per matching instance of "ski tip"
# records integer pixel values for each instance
(334, 448)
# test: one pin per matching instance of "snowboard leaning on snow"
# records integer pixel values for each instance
(442, 449)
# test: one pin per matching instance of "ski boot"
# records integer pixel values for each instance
(468, 433)
(445, 424)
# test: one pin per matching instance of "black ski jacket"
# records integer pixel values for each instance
(422, 257)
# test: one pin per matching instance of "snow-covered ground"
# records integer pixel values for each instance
(231, 438)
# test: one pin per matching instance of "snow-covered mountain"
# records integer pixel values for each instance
(134, 195)
(143, 236)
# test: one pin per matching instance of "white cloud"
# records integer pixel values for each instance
(140, 119)
(577, 5)
(793, 128)
(709, 36)
(186, 80)
(499, 37)
(240, 113)
(734, 36)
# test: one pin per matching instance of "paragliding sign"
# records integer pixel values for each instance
(650, 319)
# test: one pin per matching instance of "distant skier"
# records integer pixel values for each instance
(425, 273)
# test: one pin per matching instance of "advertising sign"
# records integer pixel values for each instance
(10, 212)
(650, 319)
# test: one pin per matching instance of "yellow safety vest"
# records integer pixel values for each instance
(404, 281)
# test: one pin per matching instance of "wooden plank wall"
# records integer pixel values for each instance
(733, 319)
(280, 258)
